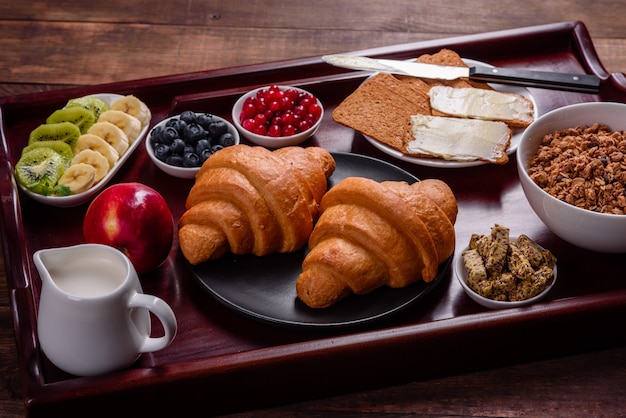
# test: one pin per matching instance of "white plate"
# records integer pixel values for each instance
(438, 162)
(80, 198)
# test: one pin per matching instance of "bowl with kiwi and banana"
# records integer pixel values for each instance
(72, 155)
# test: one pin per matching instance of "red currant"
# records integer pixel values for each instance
(306, 102)
(300, 111)
(275, 112)
(275, 106)
(315, 110)
(292, 94)
(248, 124)
(304, 125)
(287, 117)
(288, 130)
(249, 110)
(275, 131)
(260, 130)
(260, 119)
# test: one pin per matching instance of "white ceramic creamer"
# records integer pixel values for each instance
(93, 316)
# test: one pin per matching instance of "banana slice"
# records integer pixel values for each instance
(78, 177)
(96, 143)
(127, 123)
(113, 135)
(134, 107)
(94, 159)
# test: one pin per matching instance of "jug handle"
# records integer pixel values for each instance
(164, 313)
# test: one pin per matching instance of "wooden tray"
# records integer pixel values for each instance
(222, 361)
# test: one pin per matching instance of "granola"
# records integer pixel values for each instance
(507, 270)
(583, 166)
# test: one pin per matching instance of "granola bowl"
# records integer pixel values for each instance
(587, 226)
(462, 276)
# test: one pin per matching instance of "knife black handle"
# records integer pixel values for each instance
(583, 83)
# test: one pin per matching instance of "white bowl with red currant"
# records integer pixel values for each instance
(180, 144)
(277, 116)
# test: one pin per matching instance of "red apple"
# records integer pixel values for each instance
(135, 219)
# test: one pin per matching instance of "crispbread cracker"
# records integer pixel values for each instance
(410, 90)
(377, 110)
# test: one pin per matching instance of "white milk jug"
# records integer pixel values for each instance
(93, 316)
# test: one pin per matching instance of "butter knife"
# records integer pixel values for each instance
(583, 83)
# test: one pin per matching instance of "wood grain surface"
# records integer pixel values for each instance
(51, 45)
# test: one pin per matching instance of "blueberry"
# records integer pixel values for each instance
(193, 133)
(216, 147)
(204, 120)
(191, 160)
(188, 117)
(177, 124)
(218, 128)
(155, 135)
(168, 135)
(188, 149)
(206, 153)
(161, 151)
(226, 139)
(175, 160)
(202, 145)
(177, 146)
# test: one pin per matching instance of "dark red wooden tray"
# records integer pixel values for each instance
(222, 361)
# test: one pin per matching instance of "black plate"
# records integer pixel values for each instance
(264, 287)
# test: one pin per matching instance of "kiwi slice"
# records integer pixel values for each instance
(59, 146)
(93, 104)
(79, 116)
(63, 131)
(39, 170)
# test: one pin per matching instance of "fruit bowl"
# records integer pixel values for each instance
(585, 228)
(180, 144)
(461, 275)
(277, 116)
(80, 198)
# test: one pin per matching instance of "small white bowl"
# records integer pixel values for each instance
(461, 275)
(269, 141)
(584, 228)
(181, 172)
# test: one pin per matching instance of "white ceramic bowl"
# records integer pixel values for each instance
(461, 275)
(581, 227)
(181, 172)
(269, 141)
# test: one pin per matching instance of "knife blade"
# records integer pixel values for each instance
(583, 83)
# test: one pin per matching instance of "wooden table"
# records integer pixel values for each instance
(52, 45)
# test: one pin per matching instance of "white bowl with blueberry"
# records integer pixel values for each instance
(180, 144)
(277, 116)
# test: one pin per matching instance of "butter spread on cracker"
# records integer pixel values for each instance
(458, 139)
(481, 104)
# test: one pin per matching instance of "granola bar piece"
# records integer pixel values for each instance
(531, 250)
(473, 243)
(494, 248)
(519, 265)
(475, 268)
(504, 283)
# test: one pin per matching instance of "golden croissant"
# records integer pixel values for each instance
(250, 200)
(373, 234)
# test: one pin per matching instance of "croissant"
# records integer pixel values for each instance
(372, 234)
(250, 200)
